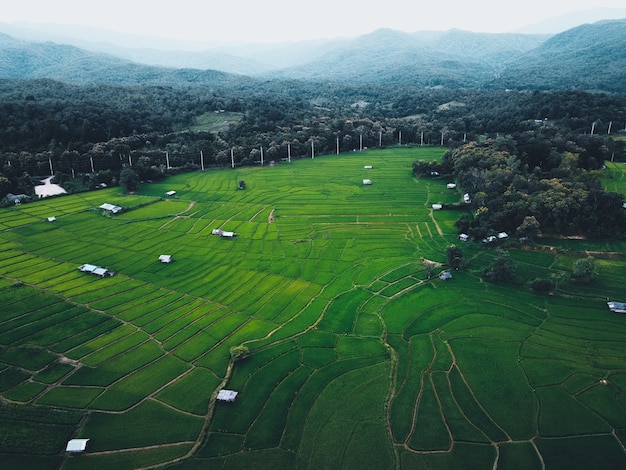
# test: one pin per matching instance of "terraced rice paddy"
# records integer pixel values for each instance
(357, 360)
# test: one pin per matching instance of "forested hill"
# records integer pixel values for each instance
(452, 59)
(69, 64)
(588, 57)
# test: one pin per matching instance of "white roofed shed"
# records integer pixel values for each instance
(113, 209)
(227, 395)
(76, 445)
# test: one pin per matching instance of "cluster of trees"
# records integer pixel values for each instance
(532, 182)
(503, 269)
(88, 134)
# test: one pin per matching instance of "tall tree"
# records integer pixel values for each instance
(529, 228)
(502, 269)
(129, 180)
(454, 256)
(584, 270)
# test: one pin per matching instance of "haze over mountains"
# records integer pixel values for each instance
(589, 56)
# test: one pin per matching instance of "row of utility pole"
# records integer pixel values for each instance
(361, 148)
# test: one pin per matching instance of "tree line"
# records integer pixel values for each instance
(88, 134)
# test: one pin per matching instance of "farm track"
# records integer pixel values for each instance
(140, 449)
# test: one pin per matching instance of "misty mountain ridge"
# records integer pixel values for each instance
(33, 60)
(449, 58)
(240, 57)
(250, 59)
(591, 56)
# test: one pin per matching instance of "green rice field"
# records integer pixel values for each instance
(357, 360)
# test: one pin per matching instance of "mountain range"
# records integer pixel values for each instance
(589, 57)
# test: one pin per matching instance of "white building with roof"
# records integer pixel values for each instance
(227, 395)
(76, 445)
(97, 270)
(113, 209)
(617, 307)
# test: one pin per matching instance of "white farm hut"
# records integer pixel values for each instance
(227, 395)
(368, 167)
(111, 208)
(76, 445)
(367, 182)
(617, 307)
(97, 270)
(223, 233)
(170, 193)
(451, 186)
(165, 258)
(52, 219)
(437, 207)
(464, 237)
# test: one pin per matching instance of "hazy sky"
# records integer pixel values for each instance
(291, 20)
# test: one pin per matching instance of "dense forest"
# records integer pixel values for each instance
(531, 182)
(88, 134)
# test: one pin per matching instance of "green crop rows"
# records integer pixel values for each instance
(357, 359)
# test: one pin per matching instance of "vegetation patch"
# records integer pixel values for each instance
(140, 427)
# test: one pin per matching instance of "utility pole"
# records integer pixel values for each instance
(610, 124)
(312, 150)
(399, 137)
(593, 127)
(130, 162)
(289, 153)
(91, 159)
(201, 160)
(261, 156)
(380, 138)
(232, 158)
(167, 160)
(360, 142)
(51, 171)
(337, 145)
